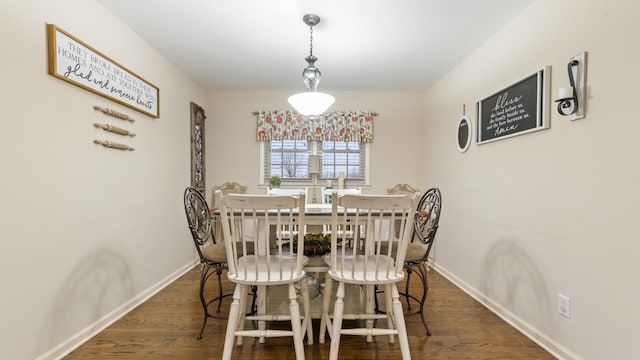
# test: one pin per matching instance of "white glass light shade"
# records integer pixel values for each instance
(311, 102)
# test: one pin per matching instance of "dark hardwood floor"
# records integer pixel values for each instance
(165, 327)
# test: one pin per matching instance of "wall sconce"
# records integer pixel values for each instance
(571, 100)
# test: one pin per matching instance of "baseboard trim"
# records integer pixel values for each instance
(554, 348)
(63, 349)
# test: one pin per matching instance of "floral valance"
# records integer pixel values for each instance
(332, 126)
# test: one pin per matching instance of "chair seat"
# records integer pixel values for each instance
(268, 270)
(415, 251)
(327, 257)
(215, 253)
(375, 268)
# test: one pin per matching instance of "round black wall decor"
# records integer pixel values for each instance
(464, 133)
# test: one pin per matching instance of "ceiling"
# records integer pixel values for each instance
(361, 45)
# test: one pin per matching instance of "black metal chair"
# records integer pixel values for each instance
(213, 257)
(425, 228)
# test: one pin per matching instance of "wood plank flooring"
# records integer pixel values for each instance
(166, 326)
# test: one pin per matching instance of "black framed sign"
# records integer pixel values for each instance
(518, 109)
(464, 133)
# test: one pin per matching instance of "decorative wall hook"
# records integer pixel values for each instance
(571, 100)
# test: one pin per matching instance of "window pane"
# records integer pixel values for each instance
(339, 156)
(288, 159)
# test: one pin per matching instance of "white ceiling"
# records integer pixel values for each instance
(361, 45)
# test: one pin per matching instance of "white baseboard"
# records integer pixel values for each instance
(525, 328)
(73, 342)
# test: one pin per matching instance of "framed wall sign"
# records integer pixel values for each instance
(197, 147)
(464, 133)
(74, 61)
(519, 108)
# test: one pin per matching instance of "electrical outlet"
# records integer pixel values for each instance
(564, 306)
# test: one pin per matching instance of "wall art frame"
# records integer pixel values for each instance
(74, 61)
(197, 148)
(517, 109)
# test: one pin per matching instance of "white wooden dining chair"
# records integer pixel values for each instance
(286, 232)
(229, 187)
(326, 198)
(327, 193)
(254, 261)
(373, 262)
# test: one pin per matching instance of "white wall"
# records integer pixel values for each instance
(232, 149)
(85, 230)
(554, 211)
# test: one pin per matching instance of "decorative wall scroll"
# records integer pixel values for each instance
(114, 145)
(74, 61)
(517, 109)
(114, 113)
(197, 147)
(114, 129)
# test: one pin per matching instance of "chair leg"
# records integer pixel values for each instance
(203, 281)
(325, 322)
(425, 288)
(261, 309)
(306, 303)
(243, 305)
(391, 321)
(220, 294)
(370, 295)
(294, 311)
(254, 296)
(403, 339)
(422, 274)
(235, 312)
(338, 310)
(409, 270)
(375, 299)
(207, 272)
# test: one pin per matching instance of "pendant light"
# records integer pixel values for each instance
(311, 102)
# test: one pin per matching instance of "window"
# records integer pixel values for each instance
(289, 159)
